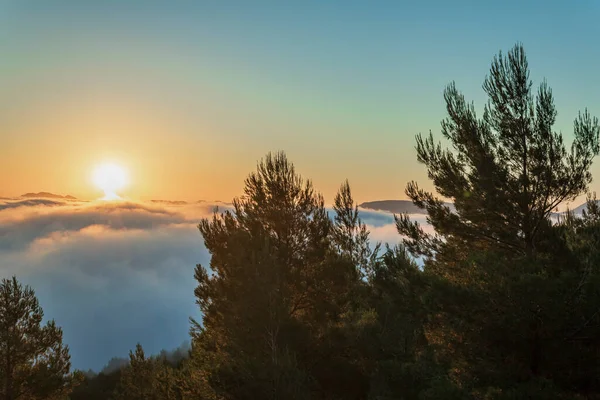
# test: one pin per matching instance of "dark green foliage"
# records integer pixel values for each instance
(505, 172)
(157, 378)
(350, 234)
(97, 387)
(275, 290)
(297, 305)
(34, 363)
(395, 345)
(509, 288)
(170, 374)
(138, 378)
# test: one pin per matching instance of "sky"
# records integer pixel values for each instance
(188, 95)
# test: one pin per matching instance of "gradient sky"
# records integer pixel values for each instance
(188, 95)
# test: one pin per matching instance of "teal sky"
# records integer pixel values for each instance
(208, 87)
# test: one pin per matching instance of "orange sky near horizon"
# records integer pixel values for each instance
(165, 157)
(189, 98)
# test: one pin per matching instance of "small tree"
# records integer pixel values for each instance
(34, 363)
(138, 379)
(349, 233)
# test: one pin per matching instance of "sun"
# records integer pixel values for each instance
(110, 178)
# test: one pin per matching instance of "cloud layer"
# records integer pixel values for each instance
(113, 274)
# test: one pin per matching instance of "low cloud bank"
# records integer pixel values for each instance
(113, 274)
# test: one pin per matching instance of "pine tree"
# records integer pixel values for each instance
(138, 379)
(505, 172)
(34, 363)
(192, 380)
(349, 232)
(274, 286)
(501, 274)
(167, 381)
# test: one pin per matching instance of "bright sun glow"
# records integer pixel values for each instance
(110, 178)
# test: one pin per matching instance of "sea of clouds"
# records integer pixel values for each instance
(116, 273)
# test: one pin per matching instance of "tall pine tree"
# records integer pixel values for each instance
(505, 172)
(274, 285)
(502, 275)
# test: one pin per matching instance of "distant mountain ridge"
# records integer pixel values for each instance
(407, 206)
(581, 208)
(47, 195)
(396, 206)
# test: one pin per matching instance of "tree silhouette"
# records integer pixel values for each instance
(505, 172)
(137, 380)
(503, 279)
(275, 286)
(350, 233)
(34, 363)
